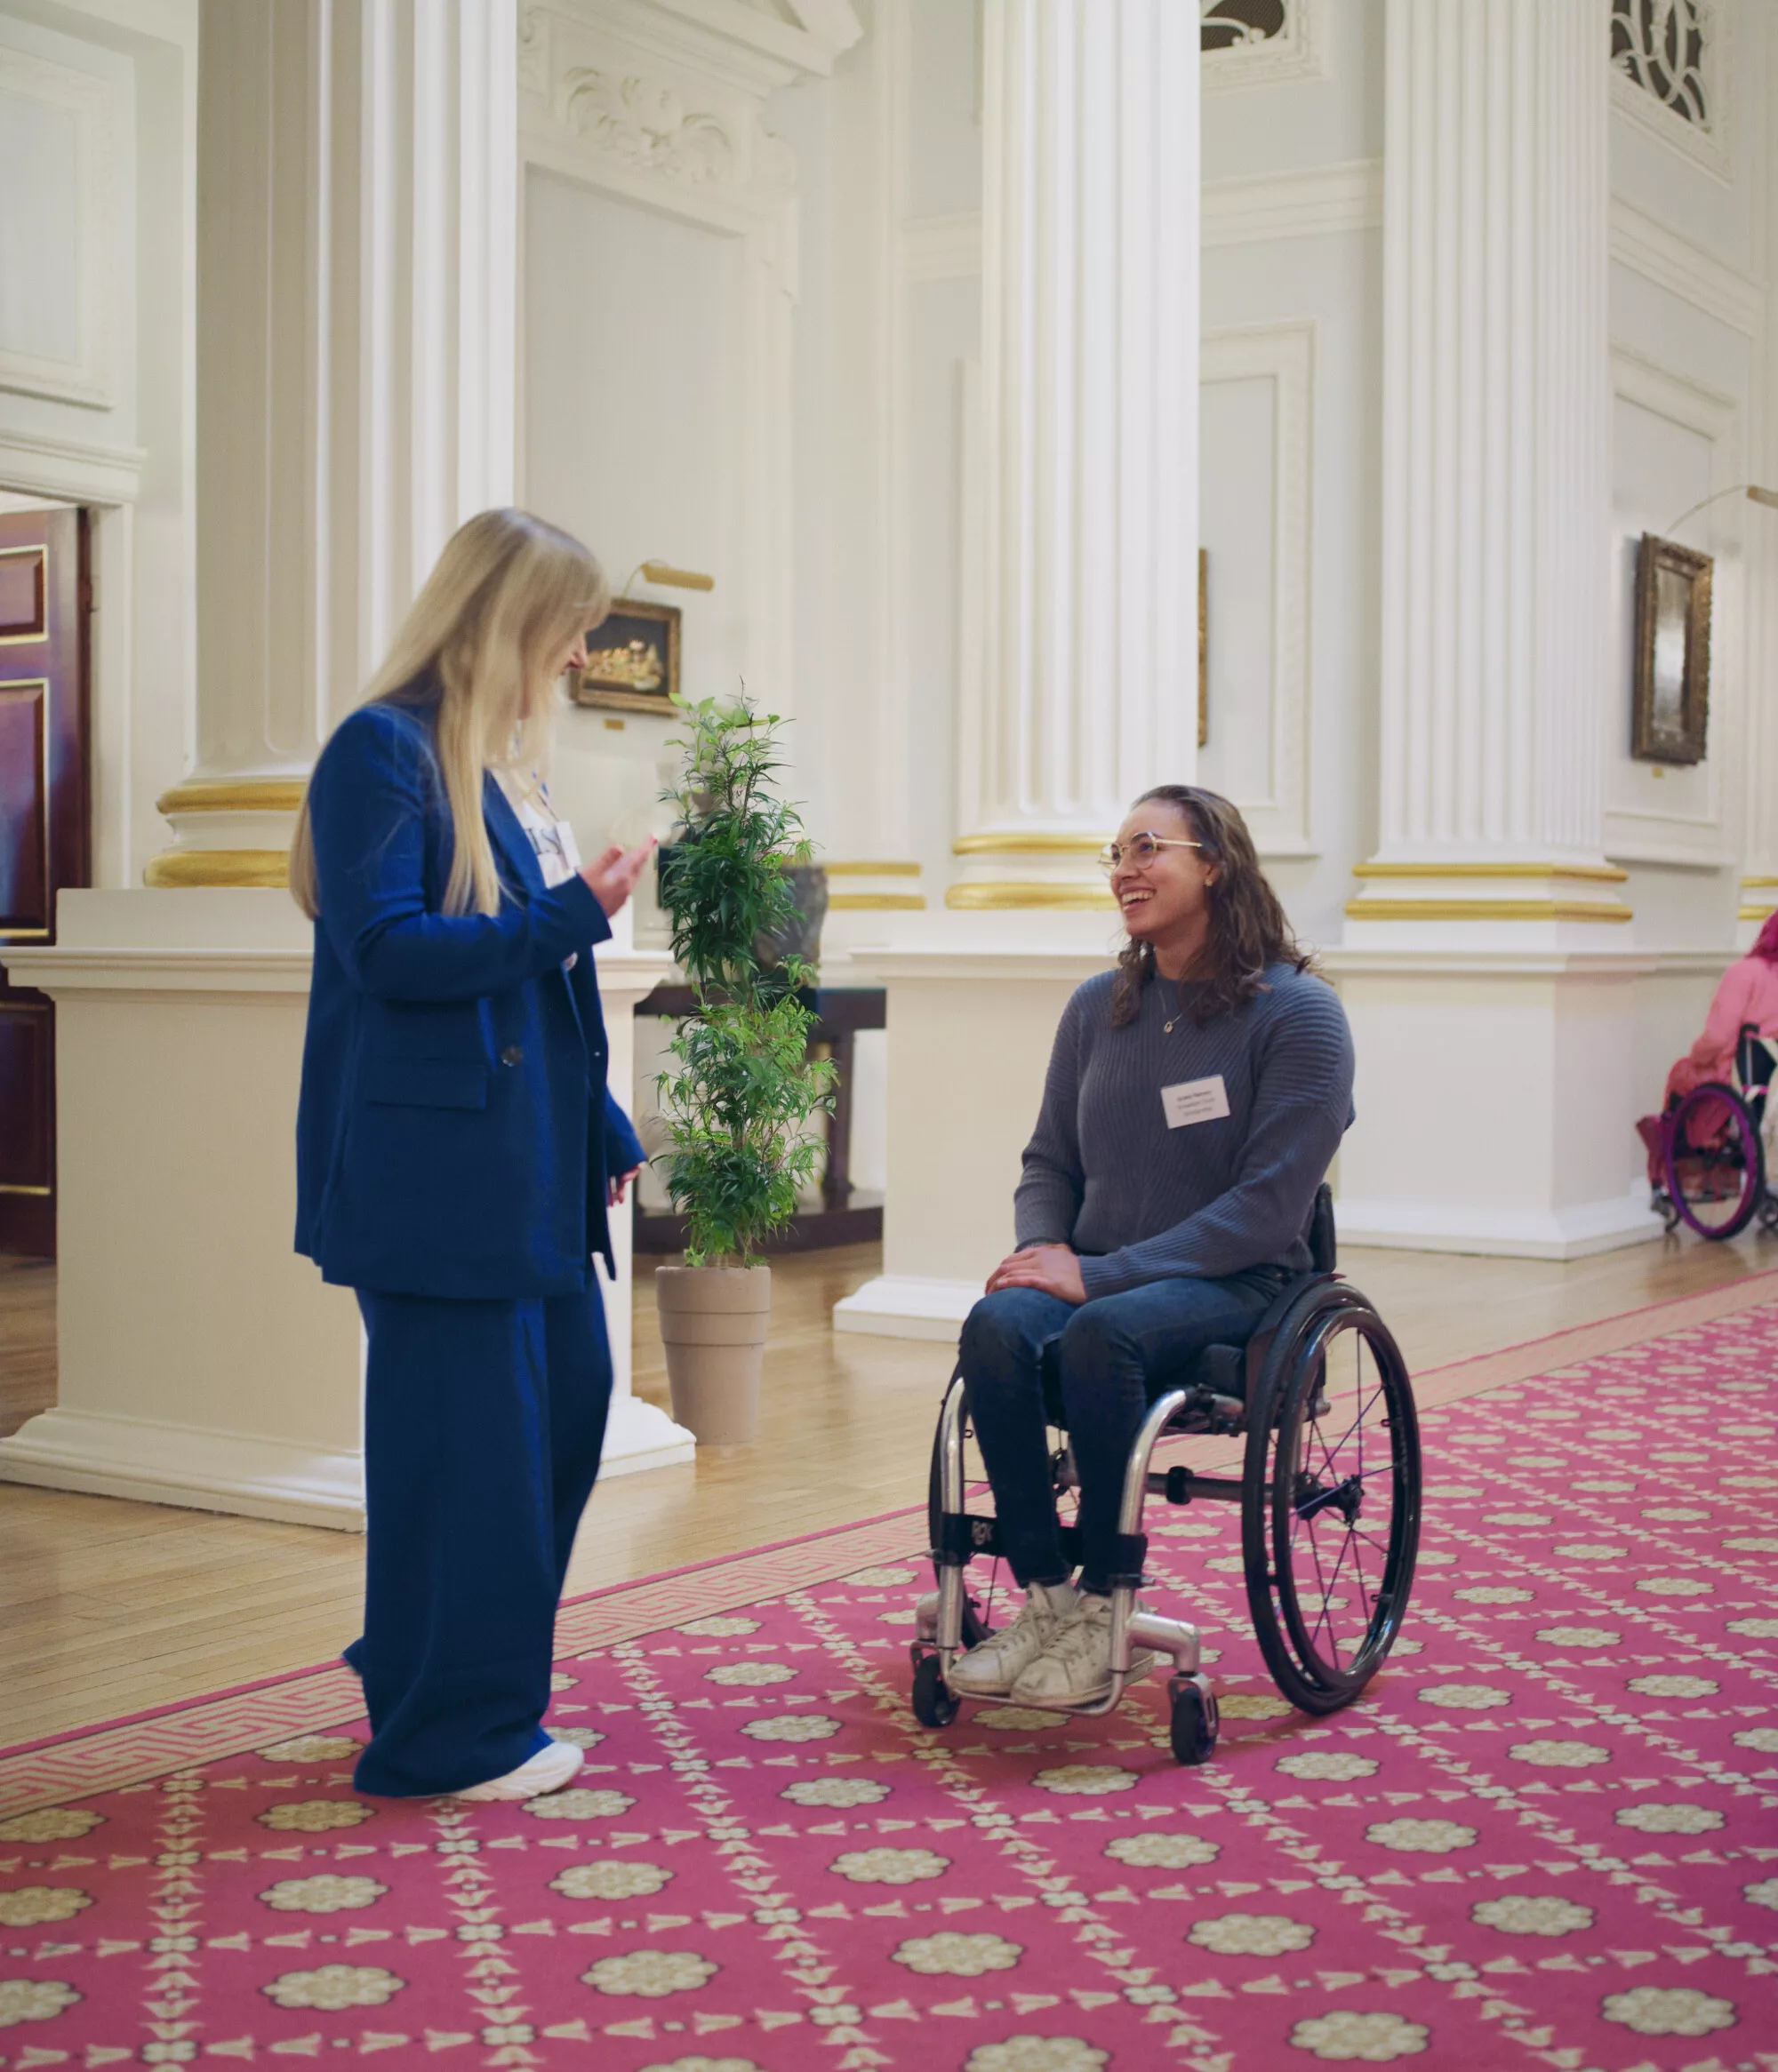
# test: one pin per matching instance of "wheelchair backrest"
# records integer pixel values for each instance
(1323, 1248)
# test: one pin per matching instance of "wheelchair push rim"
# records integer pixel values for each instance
(1715, 1162)
(1330, 1521)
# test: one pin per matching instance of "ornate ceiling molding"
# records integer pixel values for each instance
(1260, 42)
(655, 101)
(1671, 74)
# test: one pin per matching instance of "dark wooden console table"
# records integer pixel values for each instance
(847, 1214)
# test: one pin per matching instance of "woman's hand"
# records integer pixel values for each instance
(611, 876)
(618, 1184)
(1053, 1269)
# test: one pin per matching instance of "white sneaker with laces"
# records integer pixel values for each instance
(990, 1669)
(1076, 1667)
(549, 1770)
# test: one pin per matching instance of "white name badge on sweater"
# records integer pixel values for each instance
(1195, 1101)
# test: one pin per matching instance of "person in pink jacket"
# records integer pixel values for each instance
(1748, 992)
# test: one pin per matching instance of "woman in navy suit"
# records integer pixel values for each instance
(458, 1148)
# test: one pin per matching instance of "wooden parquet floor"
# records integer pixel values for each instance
(109, 1607)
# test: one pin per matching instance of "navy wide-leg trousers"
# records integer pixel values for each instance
(484, 1423)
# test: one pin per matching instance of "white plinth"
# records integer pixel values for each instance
(1497, 1092)
(201, 1361)
(908, 1305)
(974, 1001)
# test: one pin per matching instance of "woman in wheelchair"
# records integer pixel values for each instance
(1707, 1162)
(1195, 1097)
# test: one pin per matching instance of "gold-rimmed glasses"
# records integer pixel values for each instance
(1140, 849)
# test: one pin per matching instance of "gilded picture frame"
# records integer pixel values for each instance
(633, 659)
(1671, 691)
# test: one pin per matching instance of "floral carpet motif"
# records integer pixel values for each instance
(1548, 1836)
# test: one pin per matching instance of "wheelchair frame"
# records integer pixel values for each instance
(1270, 1393)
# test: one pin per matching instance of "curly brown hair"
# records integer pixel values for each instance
(1248, 930)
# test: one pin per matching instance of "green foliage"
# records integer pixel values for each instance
(744, 1087)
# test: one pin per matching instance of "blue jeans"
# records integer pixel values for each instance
(1117, 1355)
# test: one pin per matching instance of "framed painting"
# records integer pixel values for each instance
(633, 659)
(1670, 693)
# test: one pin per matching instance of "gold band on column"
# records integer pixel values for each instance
(256, 795)
(994, 897)
(1611, 911)
(1038, 841)
(264, 869)
(1599, 873)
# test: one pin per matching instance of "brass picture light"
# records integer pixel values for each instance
(1755, 495)
(678, 579)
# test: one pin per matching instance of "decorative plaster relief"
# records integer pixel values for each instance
(601, 98)
(60, 249)
(1255, 43)
(1660, 45)
(646, 125)
(1669, 73)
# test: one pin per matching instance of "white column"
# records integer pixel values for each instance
(1084, 691)
(1496, 469)
(1759, 851)
(1484, 966)
(357, 256)
(356, 171)
(1080, 679)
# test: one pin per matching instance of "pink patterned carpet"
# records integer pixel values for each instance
(1549, 1835)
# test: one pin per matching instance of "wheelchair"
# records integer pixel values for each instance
(1329, 1491)
(1714, 1173)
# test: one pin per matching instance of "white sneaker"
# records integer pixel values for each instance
(1076, 1667)
(990, 1669)
(549, 1770)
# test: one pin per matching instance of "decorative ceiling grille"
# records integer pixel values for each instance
(1661, 46)
(1227, 24)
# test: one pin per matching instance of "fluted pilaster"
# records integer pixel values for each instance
(1496, 473)
(1084, 688)
(357, 254)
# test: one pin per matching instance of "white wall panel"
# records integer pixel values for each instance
(67, 141)
(1674, 443)
(632, 442)
(1255, 481)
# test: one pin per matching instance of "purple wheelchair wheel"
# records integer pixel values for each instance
(1715, 1162)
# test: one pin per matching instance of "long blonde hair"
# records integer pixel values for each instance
(506, 596)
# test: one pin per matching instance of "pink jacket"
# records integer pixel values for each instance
(1749, 992)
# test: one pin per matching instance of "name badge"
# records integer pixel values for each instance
(1194, 1100)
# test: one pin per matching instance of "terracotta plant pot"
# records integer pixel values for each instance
(713, 1323)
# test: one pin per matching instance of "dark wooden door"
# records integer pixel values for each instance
(45, 595)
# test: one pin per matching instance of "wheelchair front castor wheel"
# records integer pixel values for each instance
(1195, 1722)
(934, 1706)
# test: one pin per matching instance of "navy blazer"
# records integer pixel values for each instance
(455, 1131)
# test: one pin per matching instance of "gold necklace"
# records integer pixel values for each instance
(1178, 1009)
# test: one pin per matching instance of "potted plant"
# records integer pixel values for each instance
(738, 1106)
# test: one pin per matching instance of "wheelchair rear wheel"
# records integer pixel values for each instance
(1330, 1518)
(1715, 1165)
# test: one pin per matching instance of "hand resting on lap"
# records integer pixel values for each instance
(1052, 1268)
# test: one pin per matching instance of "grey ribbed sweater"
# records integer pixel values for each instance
(1141, 1202)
